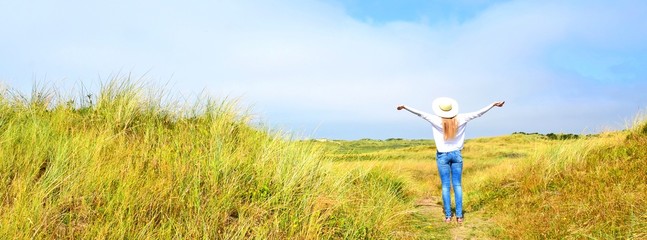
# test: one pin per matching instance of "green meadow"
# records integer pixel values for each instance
(128, 163)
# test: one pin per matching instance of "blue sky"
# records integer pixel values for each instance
(422, 11)
(337, 69)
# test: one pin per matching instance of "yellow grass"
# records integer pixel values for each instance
(589, 188)
(130, 163)
(526, 185)
(125, 163)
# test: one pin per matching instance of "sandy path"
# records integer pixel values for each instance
(474, 227)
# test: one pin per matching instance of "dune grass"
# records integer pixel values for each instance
(590, 188)
(126, 163)
(529, 186)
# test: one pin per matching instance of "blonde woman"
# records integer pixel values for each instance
(449, 135)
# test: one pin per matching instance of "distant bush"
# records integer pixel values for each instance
(567, 136)
(552, 136)
(524, 133)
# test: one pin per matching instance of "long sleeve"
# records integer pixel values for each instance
(424, 115)
(457, 142)
(415, 111)
(466, 117)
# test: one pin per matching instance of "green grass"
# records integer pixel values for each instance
(129, 164)
(529, 185)
(594, 188)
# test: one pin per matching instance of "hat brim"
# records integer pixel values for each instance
(445, 114)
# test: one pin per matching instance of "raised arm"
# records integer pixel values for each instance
(412, 110)
(472, 115)
(433, 119)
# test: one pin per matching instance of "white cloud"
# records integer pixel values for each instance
(307, 65)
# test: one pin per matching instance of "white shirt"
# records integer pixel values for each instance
(457, 142)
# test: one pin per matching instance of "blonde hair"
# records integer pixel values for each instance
(450, 126)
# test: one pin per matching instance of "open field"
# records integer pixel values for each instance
(525, 185)
(128, 164)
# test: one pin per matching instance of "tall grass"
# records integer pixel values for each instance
(588, 188)
(528, 186)
(122, 165)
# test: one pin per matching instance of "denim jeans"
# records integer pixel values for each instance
(450, 167)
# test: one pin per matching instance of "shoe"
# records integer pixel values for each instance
(448, 219)
(459, 220)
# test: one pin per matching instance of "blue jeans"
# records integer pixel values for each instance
(450, 166)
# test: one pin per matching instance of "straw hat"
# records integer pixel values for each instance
(445, 107)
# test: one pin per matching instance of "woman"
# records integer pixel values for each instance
(449, 135)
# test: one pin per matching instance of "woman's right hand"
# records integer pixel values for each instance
(400, 107)
(499, 104)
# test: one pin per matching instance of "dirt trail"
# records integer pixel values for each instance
(474, 227)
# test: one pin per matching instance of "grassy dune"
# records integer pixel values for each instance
(524, 186)
(125, 165)
(590, 188)
(129, 163)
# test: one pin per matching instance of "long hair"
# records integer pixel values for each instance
(450, 127)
